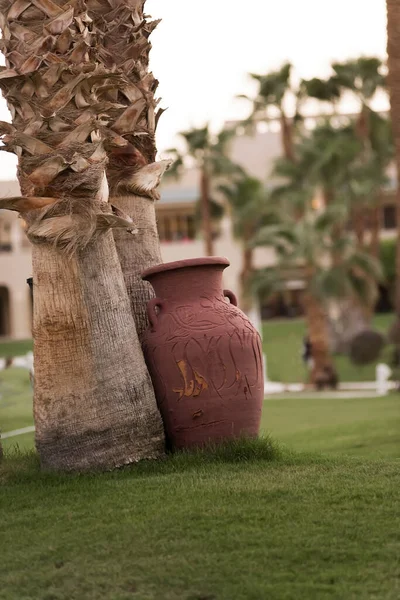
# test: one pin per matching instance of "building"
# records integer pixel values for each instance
(15, 267)
(179, 235)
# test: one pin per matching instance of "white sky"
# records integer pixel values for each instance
(203, 50)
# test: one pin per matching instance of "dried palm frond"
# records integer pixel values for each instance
(53, 71)
(145, 181)
(123, 31)
(22, 205)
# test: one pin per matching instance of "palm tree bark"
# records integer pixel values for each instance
(287, 136)
(317, 327)
(247, 270)
(206, 213)
(375, 226)
(393, 50)
(358, 223)
(94, 404)
(342, 329)
(138, 254)
(93, 400)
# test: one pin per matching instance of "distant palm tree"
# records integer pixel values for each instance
(361, 77)
(329, 169)
(250, 210)
(273, 90)
(326, 163)
(305, 249)
(210, 155)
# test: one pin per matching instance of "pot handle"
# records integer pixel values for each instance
(151, 311)
(231, 296)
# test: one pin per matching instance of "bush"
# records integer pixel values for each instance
(366, 347)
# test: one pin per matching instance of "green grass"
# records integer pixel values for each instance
(16, 399)
(367, 427)
(251, 523)
(15, 348)
(315, 519)
(283, 346)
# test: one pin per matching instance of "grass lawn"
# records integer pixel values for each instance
(283, 346)
(250, 523)
(367, 427)
(317, 519)
(15, 348)
(15, 399)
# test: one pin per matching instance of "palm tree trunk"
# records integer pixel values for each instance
(137, 253)
(206, 213)
(323, 368)
(245, 275)
(132, 172)
(287, 136)
(375, 225)
(393, 50)
(358, 223)
(94, 404)
(373, 217)
(341, 333)
(363, 124)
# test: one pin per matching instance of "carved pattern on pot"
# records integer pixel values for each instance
(195, 386)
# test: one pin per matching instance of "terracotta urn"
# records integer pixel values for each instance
(203, 354)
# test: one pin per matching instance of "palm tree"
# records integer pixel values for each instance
(250, 210)
(371, 175)
(210, 155)
(326, 156)
(133, 175)
(393, 49)
(305, 248)
(324, 90)
(330, 162)
(273, 91)
(94, 404)
(361, 77)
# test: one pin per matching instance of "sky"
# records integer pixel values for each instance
(202, 52)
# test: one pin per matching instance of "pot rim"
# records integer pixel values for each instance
(188, 262)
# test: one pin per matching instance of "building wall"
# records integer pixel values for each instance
(15, 267)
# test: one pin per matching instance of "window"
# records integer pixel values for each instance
(176, 227)
(4, 311)
(5, 236)
(389, 217)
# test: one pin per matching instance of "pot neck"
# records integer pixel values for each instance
(188, 284)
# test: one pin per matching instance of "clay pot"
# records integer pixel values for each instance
(203, 354)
